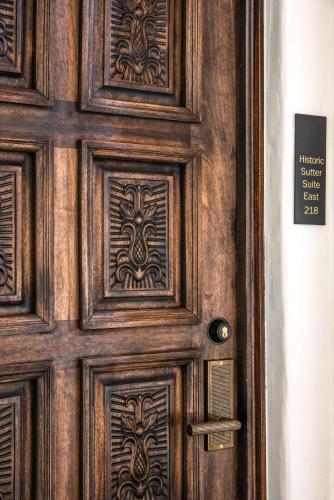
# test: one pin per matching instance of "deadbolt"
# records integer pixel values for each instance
(219, 330)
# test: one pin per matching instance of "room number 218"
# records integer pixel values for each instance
(311, 210)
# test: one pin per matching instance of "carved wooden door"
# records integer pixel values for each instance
(117, 247)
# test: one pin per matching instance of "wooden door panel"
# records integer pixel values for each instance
(142, 59)
(153, 162)
(25, 75)
(129, 63)
(135, 410)
(26, 431)
(26, 242)
(139, 241)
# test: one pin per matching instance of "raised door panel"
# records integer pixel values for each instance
(138, 235)
(26, 264)
(142, 58)
(139, 238)
(24, 52)
(139, 43)
(25, 431)
(134, 422)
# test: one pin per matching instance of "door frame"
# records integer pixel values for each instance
(250, 249)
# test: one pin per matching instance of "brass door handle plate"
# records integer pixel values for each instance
(219, 430)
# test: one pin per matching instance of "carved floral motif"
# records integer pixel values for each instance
(143, 430)
(3, 38)
(138, 218)
(139, 41)
(7, 32)
(138, 224)
(3, 269)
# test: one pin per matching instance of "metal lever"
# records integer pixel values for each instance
(219, 430)
(205, 428)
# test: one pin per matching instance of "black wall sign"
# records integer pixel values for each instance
(310, 170)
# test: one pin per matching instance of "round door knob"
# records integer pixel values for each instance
(219, 330)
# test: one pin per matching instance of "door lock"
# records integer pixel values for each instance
(219, 330)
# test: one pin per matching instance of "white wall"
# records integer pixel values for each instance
(299, 259)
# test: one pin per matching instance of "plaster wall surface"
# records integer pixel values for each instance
(299, 65)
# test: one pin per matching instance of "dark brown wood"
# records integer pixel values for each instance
(68, 126)
(151, 62)
(251, 348)
(25, 69)
(135, 412)
(146, 199)
(26, 431)
(153, 163)
(26, 240)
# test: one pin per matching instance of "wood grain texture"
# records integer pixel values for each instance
(134, 415)
(66, 242)
(67, 343)
(67, 126)
(250, 292)
(142, 58)
(26, 439)
(226, 233)
(127, 293)
(67, 429)
(217, 139)
(26, 236)
(25, 75)
(65, 37)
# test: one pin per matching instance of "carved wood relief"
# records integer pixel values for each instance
(139, 213)
(10, 234)
(26, 290)
(139, 38)
(142, 57)
(138, 234)
(134, 419)
(25, 431)
(7, 233)
(24, 52)
(7, 450)
(10, 35)
(140, 443)
(142, 233)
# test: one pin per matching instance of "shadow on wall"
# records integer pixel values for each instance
(275, 365)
